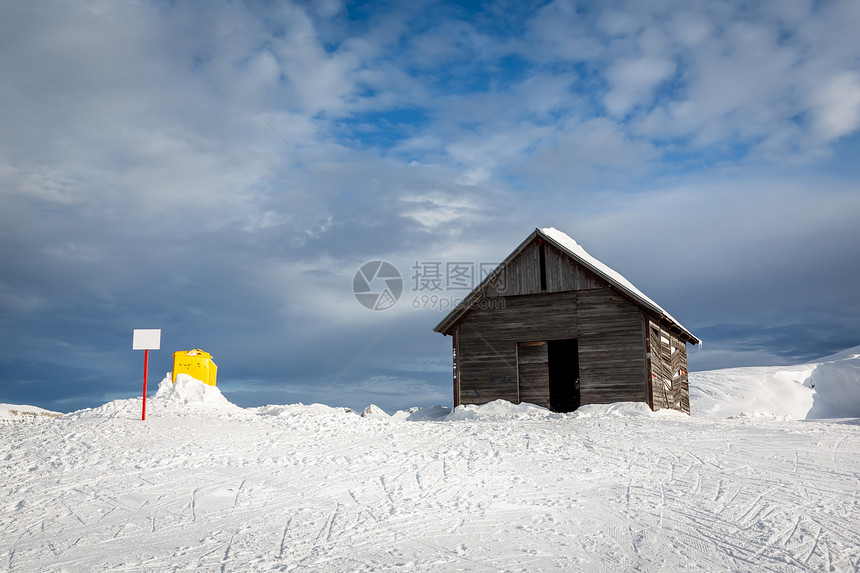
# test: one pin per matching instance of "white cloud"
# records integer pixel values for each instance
(727, 75)
(690, 29)
(836, 106)
(583, 156)
(633, 82)
(618, 23)
(451, 42)
(559, 30)
(484, 154)
(431, 210)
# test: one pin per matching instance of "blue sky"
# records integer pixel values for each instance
(220, 170)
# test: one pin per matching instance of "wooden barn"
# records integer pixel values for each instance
(555, 327)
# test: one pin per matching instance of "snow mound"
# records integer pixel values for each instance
(299, 409)
(837, 389)
(374, 411)
(620, 409)
(127, 408)
(188, 390)
(13, 414)
(433, 413)
(402, 415)
(187, 396)
(826, 388)
(764, 390)
(498, 409)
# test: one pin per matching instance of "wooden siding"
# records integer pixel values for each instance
(486, 363)
(611, 348)
(564, 274)
(609, 329)
(487, 338)
(524, 318)
(669, 379)
(521, 275)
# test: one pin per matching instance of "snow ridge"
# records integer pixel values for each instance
(826, 388)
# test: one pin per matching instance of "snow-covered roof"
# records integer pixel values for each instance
(567, 244)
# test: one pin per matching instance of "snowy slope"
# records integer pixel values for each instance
(12, 413)
(205, 485)
(826, 388)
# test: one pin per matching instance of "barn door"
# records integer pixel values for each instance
(532, 373)
(563, 362)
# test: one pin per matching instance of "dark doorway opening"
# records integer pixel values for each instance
(563, 365)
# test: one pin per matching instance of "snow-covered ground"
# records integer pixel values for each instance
(206, 485)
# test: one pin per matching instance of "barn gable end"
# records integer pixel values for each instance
(553, 327)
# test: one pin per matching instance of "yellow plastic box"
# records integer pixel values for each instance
(197, 364)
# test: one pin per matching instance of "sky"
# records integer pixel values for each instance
(222, 170)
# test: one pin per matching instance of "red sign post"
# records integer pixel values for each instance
(146, 340)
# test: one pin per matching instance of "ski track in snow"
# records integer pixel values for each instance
(319, 489)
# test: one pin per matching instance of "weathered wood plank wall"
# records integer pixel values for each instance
(669, 379)
(611, 348)
(522, 275)
(487, 340)
(562, 274)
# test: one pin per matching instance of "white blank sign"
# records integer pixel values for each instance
(146, 339)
